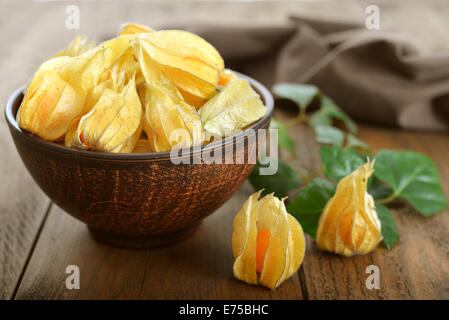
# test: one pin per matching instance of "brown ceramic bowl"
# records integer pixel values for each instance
(137, 199)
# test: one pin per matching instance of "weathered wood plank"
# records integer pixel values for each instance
(22, 210)
(198, 268)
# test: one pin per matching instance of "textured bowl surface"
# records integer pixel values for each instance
(137, 200)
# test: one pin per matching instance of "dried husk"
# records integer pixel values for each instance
(235, 107)
(286, 244)
(187, 60)
(168, 121)
(150, 72)
(111, 83)
(133, 28)
(57, 94)
(78, 46)
(349, 224)
(113, 125)
(114, 82)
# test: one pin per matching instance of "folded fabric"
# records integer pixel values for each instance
(379, 76)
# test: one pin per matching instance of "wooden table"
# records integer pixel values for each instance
(38, 240)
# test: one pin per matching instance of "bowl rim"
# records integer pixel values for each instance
(262, 90)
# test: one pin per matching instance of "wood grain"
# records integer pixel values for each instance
(21, 213)
(198, 268)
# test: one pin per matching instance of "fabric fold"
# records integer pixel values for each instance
(379, 77)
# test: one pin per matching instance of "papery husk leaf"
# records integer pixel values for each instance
(349, 224)
(164, 113)
(272, 217)
(151, 72)
(82, 71)
(235, 107)
(130, 143)
(116, 48)
(78, 46)
(297, 245)
(73, 69)
(133, 28)
(115, 122)
(130, 65)
(191, 99)
(188, 61)
(72, 138)
(244, 241)
(189, 83)
(92, 72)
(117, 54)
(96, 93)
(184, 44)
(180, 55)
(115, 82)
(224, 98)
(50, 105)
(154, 72)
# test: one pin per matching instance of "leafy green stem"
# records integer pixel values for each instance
(311, 176)
(300, 118)
(387, 199)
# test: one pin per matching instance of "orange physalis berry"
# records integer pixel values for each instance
(226, 77)
(263, 238)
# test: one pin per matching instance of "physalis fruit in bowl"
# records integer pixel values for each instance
(132, 93)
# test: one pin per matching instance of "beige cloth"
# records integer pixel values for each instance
(376, 76)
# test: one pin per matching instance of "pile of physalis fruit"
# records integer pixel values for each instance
(133, 92)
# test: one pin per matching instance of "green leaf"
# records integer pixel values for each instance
(281, 183)
(329, 107)
(320, 118)
(284, 139)
(301, 94)
(356, 143)
(309, 204)
(389, 229)
(338, 162)
(378, 189)
(329, 111)
(329, 135)
(412, 176)
(313, 197)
